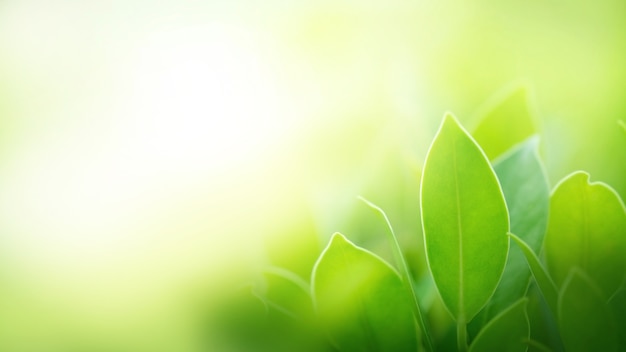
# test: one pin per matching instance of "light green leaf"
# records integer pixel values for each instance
(587, 229)
(585, 320)
(404, 273)
(508, 331)
(465, 221)
(543, 279)
(504, 122)
(361, 300)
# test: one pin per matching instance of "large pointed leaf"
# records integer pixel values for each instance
(587, 229)
(465, 221)
(506, 121)
(527, 197)
(361, 301)
(508, 331)
(585, 320)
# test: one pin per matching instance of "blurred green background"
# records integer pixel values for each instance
(153, 153)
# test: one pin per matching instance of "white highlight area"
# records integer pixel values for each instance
(159, 181)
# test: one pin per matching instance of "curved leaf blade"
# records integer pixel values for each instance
(505, 121)
(543, 279)
(527, 195)
(465, 221)
(361, 300)
(585, 320)
(587, 229)
(508, 331)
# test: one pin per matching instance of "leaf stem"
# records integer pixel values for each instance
(461, 335)
(404, 272)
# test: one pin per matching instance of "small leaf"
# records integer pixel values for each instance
(465, 221)
(527, 197)
(508, 331)
(544, 281)
(361, 300)
(587, 229)
(505, 121)
(585, 320)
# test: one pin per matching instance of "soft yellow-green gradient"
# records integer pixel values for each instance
(152, 151)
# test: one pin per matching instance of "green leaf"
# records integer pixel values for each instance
(617, 305)
(623, 124)
(404, 273)
(287, 291)
(587, 229)
(527, 197)
(505, 121)
(543, 279)
(361, 300)
(585, 320)
(465, 221)
(508, 331)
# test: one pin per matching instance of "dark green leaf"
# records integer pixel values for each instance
(585, 320)
(361, 301)
(508, 331)
(465, 221)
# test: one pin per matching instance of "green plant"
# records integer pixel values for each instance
(506, 256)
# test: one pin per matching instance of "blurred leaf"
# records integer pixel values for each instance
(527, 197)
(587, 229)
(617, 305)
(465, 221)
(544, 332)
(623, 124)
(585, 320)
(508, 331)
(404, 273)
(361, 300)
(505, 122)
(240, 319)
(289, 291)
(543, 279)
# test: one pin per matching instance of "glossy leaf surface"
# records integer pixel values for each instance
(505, 122)
(585, 320)
(587, 229)
(361, 301)
(527, 196)
(508, 331)
(465, 221)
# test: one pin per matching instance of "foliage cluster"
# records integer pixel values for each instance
(516, 266)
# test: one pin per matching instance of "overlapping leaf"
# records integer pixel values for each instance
(465, 221)
(508, 331)
(587, 229)
(527, 196)
(585, 321)
(361, 300)
(505, 122)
